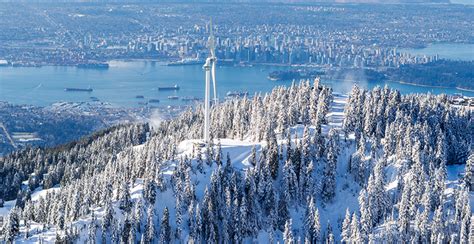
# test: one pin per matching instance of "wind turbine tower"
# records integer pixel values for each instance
(210, 69)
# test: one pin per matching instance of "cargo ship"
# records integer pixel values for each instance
(78, 89)
(195, 61)
(294, 74)
(186, 61)
(93, 66)
(190, 99)
(168, 88)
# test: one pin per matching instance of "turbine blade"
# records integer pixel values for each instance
(214, 80)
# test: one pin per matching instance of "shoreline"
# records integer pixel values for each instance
(431, 86)
(166, 62)
(464, 89)
(422, 85)
(39, 65)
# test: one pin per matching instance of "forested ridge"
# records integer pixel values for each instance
(440, 73)
(391, 154)
(47, 167)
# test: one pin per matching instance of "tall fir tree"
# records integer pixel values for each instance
(346, 228)
(165, 228)
(329, 181)
(288, 237)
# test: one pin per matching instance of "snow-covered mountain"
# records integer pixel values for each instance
(297, 164)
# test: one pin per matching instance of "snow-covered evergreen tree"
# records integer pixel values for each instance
(288, 237)
(398, 150)
(346, 228)
(165, 228)
(329, 181)
(469, 172)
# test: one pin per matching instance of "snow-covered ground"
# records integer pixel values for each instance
(240, 151)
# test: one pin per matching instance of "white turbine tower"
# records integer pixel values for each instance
(210, 69)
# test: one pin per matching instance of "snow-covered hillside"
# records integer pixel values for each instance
(298, 164)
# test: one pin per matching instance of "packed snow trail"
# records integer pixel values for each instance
(12, 142)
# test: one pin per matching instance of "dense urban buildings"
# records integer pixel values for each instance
(330, 35)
